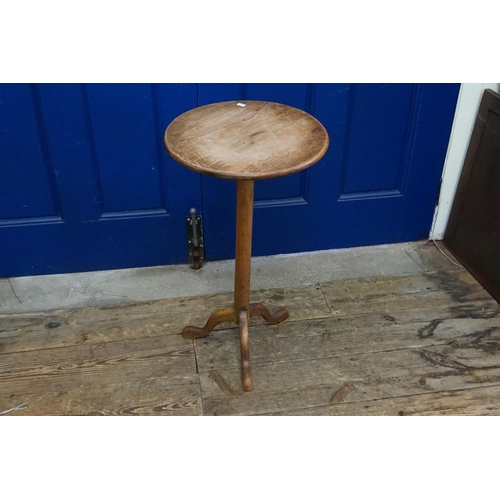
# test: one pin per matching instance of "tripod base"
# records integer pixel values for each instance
(241, 318)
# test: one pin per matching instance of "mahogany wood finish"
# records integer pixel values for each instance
(246, 372)
(259, 140)
(220, 316)
(244, 141)
(229, 314)
(244, 216)
(259, 309)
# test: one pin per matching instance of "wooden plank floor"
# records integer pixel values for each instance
(414, 344)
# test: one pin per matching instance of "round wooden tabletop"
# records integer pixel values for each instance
(246, 140)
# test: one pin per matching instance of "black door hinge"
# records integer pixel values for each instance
(194, 233)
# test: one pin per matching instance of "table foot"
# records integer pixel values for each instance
(259, 309)
(241, 318)
(193, 332)
(246, 373)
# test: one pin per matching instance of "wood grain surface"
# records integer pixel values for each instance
(258, 140)
(426, 343)
(94, 325)
(471, 402)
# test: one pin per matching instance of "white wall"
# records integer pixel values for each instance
(469, 99)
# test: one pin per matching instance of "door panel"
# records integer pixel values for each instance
(378, 129)
(23, 142)
(123, 128)
(290, 189)
(377, 183)
(122, 200)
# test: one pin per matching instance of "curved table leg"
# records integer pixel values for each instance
(193, 332)
(259, 309)
(246, 374)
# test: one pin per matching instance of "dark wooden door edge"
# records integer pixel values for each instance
(475, 245)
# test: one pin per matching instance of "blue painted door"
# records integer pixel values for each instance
(85, 183)
(377, 183)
